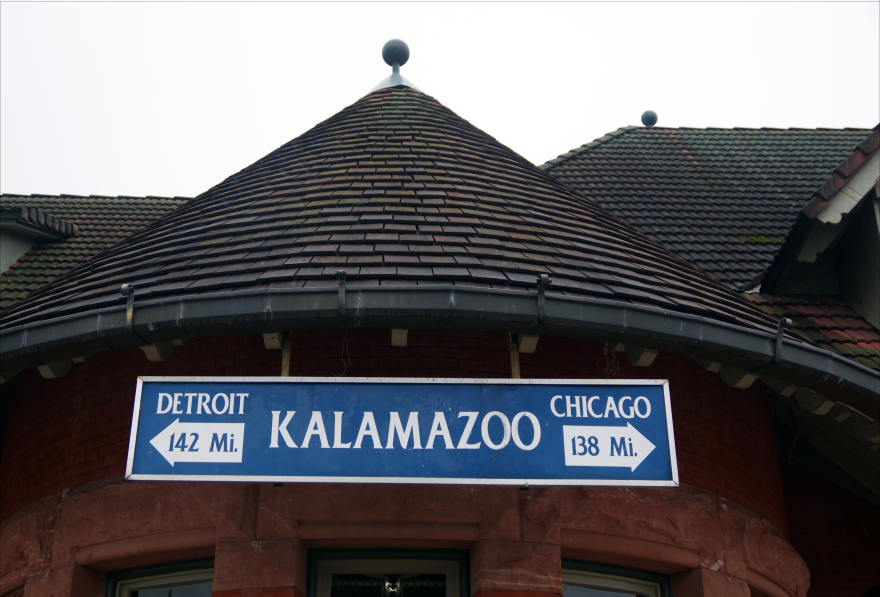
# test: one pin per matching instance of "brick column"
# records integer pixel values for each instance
(71, 581)
(498, 568)
(267, 568)
(706, 583)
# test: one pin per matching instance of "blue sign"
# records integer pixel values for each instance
(366, 430)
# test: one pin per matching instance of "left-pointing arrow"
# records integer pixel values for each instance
(200, 442)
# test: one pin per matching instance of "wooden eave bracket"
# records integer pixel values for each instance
(55, 369)
(273, 341)
(640, 357)
(399, 337)
(160, 351)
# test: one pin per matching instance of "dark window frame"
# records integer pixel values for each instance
(112, 583)
(461, 556)
(663, 580)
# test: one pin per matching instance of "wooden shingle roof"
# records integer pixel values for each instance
(396, 190)
(724, 199)
(100, 223)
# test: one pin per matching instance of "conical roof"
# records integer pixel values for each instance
(395, 190)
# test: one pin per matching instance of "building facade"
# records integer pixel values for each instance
(397, 240)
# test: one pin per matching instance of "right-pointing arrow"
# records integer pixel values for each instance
(605, 446)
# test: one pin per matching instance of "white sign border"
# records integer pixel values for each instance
(129, 476)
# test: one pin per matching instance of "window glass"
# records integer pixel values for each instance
(591, 583)
(202, 589)
(387, 585)
(155, 582)
(356, 585)
(391, 577)
(423, 585)
(576, 591)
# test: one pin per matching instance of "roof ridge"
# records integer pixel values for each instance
(624, 129)
(587, 146)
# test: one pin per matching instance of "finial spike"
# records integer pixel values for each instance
(395, 53)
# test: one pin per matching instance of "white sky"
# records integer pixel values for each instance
(169, 99)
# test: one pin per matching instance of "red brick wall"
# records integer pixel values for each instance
(836, 533)
(74, 429)
(723, 435)
(67, 431)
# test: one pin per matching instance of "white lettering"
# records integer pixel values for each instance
(368, 427)
(203, 401)
(337, 432)
(241, 398)
(466, 434)
(535, 425)
(218, 411)
(176, 405)
(553, 406)
(316, 427)
(412, 426)
(626, 414)
(162, 397)
(647, 407)
(584, 406)
(276, 428)
(484, 428)
(189, 403)
(439, 428)
(590, 408)
(576, 405)
(611, 407)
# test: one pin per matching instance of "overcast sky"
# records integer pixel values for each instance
(170, 98)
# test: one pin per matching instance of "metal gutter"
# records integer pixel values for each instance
(439, 307)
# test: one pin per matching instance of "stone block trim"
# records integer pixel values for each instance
(75, 429)
(517, 567)
(249, 565)
(260, 531)
(706, 583)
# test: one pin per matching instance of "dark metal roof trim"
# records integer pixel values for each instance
(35, 223)
(437, 307)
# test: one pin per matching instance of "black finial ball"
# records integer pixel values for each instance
(395, 51)
(649, 118)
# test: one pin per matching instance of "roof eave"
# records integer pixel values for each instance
(826, 208)
(439, 307)
(35, 232)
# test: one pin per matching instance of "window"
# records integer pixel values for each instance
(385, 573)
(585, 579)
(194, 578)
